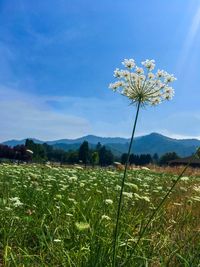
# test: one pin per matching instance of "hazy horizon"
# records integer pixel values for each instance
(74, 138)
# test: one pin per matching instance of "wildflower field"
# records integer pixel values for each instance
(58, 216)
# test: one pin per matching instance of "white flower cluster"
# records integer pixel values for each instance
(15, 201)
(141, 85)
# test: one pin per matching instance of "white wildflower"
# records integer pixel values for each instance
(128, 194)
(69, 214)
(151, 75)
(142, 85)
(149, 64)
(118, 187)
(139, 70)
(133, 186)
(57, 240)
(108, 201)
(196, 198)
(16, 201)
(82, 226)
(105, 217)
(185, 178)
(129, 63)
(196, 188)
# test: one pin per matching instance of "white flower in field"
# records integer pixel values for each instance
(58, 197)
(196, 198)
(159, 187)
(108, 201)
(73, 178)
(136, 196)
(99, 191)
(16, 201)
(185, 178)
(142, 85)
(133, 186)
(69, 214)
(177, 204)
(128, 194)
(196, 188)
(8, 208)
(82, 226)
(118, 187)
(147, 199)
(105, 217)
(57, 240)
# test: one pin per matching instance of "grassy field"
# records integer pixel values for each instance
(53, 216)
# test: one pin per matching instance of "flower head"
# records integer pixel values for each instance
(141, 85)
(129, 63)
(82, 226)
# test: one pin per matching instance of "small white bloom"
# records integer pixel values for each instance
(139, 70)
(160, 73)
(151, 75)
(57, 240)
(149, 64)
(169, 78)
(82, 226)
(105, 217)
(117, 73)
(129, 63)
(128, 194)
(108, 201)
(116, 85)
(155, 101)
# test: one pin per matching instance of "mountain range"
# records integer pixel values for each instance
(151, 143)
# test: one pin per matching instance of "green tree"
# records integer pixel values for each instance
(105, 157)
(198, 152)
(155, 158)
(124, 157)
(94, 158)
(167, 157)
(83, 153)
(73, 157)
(98, 146)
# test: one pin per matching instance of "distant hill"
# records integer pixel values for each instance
(152, 143)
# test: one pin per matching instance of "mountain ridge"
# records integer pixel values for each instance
(151, 143)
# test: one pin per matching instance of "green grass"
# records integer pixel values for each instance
(66, 217)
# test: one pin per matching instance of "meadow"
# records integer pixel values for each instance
(58, 216)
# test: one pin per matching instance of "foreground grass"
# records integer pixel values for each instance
(65, 217)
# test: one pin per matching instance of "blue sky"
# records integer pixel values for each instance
(57, 59)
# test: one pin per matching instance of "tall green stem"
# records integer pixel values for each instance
(122, 189)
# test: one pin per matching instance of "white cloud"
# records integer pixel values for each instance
(25, 115)
(53, 117)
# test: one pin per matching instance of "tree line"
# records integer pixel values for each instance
(100, 155)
